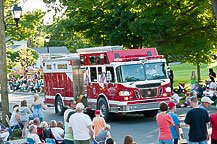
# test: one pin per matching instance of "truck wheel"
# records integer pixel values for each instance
(59, 108)
(151, 113)
(103, 107)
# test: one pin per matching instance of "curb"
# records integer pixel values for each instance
(25, 93)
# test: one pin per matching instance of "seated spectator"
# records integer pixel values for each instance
(205, 102)
(4, 133)
(212, 85)
(36, 86)
(60, 124)
(57, 132)
(176, 98)
(187, 100)
(103, 134)
(98, 123)
(199, 91)
(128, 139)
(110, 141)
(36, 122)
(33, 135)
(31, 86)
(208, 92)
(44, 127)
(15, 121)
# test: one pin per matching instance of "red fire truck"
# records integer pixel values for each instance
(110, 79)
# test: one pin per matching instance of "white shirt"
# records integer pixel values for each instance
(57, 132)
(79, 123)
(208, 93)
(13, 120)
(176, 97)
(66, 114)
(35, 137)
(212, 86)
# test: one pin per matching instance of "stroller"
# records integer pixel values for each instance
(181, 88)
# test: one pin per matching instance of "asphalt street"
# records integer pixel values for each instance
(144, 130)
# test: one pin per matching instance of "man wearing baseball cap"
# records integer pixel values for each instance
(174, 129)
(205, 102)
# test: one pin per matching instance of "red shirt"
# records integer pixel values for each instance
(213, 119)
(163, 121)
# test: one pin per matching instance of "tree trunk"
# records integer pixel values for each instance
(198, 72)
(3, 68)
(214, 5)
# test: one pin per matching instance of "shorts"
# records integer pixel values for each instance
(168, 141)
(200, 142)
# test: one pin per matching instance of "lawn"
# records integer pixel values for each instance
(182, 73)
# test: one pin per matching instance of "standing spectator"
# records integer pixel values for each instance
(15, 121)
(171, 77)
(193, 80)
(25, 114)
(37, 108)
(80, 126)
(72, 105)
(197, 118)
(33, 134)
(213, 124)
(57, 132)
(68, 139)
(164, 122)
(98, 123)
(174, 129)
(103, 134)
(212, 74)
(205, 102)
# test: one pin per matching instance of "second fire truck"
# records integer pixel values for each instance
(110, 79)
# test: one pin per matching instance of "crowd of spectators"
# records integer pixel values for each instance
(27, 82)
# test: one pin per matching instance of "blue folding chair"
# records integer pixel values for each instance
(50, 141)
(30, 141)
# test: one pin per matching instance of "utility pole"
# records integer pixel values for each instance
(3, 67)
(214, 5)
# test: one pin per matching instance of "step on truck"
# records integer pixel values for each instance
(110, 79)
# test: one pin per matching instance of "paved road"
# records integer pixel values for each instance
(144, 130)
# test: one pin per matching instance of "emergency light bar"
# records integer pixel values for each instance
(138, 58)
(99, 49)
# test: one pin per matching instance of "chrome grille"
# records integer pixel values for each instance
(151, 92)
(137, 94)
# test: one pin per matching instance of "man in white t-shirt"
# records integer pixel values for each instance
(212, 85)
(33, 135)
(80, 125)
(72, 105)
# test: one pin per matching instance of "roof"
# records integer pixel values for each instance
(42, 50)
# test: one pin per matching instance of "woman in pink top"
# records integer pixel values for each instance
(164, 122)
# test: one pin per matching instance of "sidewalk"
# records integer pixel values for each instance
(26, 93)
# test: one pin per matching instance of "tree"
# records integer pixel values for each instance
(184, 28)
(27, 57)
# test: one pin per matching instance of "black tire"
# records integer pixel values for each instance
(59, 108)
(150, 113)
(103, 107)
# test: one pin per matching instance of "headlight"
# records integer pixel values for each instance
(124, 93)
(168, 89)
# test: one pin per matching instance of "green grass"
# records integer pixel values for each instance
(182, 73)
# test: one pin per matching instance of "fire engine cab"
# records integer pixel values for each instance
(110, 79)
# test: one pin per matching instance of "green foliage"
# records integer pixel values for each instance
(27, 57)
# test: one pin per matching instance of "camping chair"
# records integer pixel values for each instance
(181, 88)
(30, 141)
(17, 125)
(57, 141)
(50, 141)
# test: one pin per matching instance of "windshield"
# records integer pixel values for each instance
(130, 73)
(155, 71)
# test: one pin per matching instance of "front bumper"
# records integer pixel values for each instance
(134, 108)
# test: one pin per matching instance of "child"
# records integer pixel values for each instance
(164, 122)
(60, 124)
(176, 98)
(175, 129)
(98, 123)
(187, 100)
